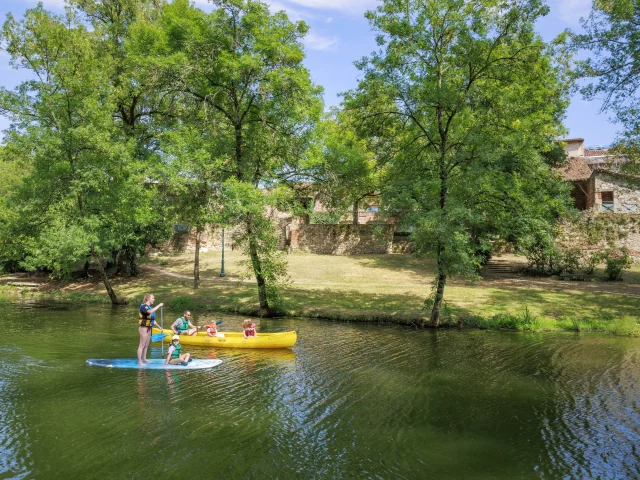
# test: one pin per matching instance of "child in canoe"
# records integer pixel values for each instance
(249, 329)
(212, 330)
(174, 353)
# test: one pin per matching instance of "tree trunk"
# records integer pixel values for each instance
(107, 284)
(355, 212)
(442, 281)
(196, 261)
(85, 270)
(240, 170)
(265, 310)
(120, 265)
(263, 299)
(442, 276)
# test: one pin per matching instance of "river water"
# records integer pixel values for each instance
(348, 401)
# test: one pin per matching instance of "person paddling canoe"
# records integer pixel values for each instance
(183, 325)
(146, 321)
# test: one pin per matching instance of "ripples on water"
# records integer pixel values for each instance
(349, 401)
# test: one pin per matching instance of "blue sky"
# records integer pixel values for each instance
(340, 35)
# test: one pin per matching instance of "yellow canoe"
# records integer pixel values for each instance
(236, 339)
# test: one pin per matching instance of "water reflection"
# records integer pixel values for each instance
(349, 401)
(14, 447)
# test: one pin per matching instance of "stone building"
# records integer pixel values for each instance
(598, 185)
(599, 188)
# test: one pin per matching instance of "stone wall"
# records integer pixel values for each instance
(626, 196)
(210, 240)
(619, 229)
(341, 239)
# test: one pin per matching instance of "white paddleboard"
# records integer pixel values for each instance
(154, 364)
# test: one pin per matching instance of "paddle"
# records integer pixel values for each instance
(162, 330)
(157, 337)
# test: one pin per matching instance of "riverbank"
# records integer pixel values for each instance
(381, 288)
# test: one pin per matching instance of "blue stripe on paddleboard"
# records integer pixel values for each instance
(154, 364)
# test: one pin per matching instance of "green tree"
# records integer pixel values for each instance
(344, 170)
(612, 68)
(243, 67)
(196, 174)
(144, 106)
(460, 100)
(12, 245)
(81, 196)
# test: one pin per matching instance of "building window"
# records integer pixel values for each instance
(373, 208)
(607, 202)
(179, 228)
(629, 208)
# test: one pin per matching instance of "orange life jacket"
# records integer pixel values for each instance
(213, 327)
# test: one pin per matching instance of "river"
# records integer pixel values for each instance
(348, 401)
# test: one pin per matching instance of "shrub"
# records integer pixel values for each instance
(568, 260)
(590, 262)
(541, 252)
(180, 303)
(617, 260)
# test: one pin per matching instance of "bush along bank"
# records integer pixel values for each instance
(523, 321)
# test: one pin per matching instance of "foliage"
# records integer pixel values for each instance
(461, 103)
(612, 67)
(344, 169)
(581, 243)
(84, 193)
(541, 251)
(61, 131)
(245, 205)
(242, 68)
(330, 217)
(617, 260)
(12, 248)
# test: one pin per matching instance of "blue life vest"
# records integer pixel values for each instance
(145, 320)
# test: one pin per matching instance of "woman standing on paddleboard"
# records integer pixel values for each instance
(147, 316)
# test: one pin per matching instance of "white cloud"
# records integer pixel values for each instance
(349, 6)
(570, 11)
(318, 42)
(53, 4)
(293, 13)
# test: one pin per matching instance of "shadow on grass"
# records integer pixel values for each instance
(557, 304)
(400, 262)
(351, 300)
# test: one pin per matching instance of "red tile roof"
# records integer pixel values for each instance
(596, 152)
(575, 170)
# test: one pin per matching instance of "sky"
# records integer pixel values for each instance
(339, 35)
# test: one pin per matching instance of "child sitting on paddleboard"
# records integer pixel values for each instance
(249, 329)
(174, 353)
(212, 330)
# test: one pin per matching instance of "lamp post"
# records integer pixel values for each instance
(222, 269)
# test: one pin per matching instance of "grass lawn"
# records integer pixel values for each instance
(386, 288)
